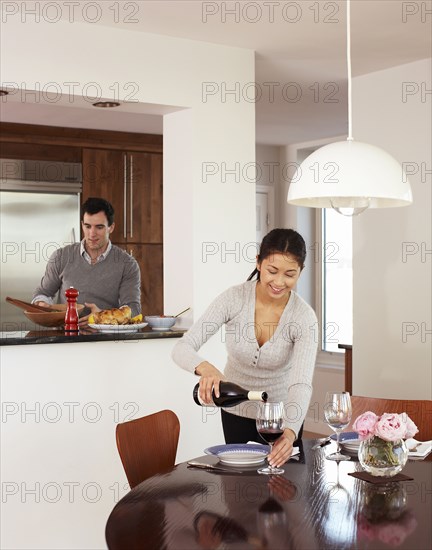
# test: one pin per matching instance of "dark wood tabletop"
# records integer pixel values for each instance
(314, 505)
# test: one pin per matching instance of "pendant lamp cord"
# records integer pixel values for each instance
(348, 54)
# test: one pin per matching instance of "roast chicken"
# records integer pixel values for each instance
(120, 316)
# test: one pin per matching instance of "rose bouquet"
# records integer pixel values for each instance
(390, 532)
(383, 451)
(389, 427)
(384, 516)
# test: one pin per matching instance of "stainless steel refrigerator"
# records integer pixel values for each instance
(39, 212)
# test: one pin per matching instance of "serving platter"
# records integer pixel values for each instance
(118, 328)
(239, 454)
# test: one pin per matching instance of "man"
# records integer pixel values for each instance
(104, 274)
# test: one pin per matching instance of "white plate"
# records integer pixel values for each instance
(118, 328)
(349, 441)
(239, 454)
(352, 450)
(354, 444)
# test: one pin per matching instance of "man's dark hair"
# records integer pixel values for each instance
(93, 205)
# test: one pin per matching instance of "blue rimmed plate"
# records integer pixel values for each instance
(348, 440)
(239, 454)
(346, 436)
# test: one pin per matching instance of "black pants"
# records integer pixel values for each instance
(238, 429)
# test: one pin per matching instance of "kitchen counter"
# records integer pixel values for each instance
(48, 336)
(60, 408)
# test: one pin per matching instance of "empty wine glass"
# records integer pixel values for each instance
(337, 412)
(269, 424)
(272, 524)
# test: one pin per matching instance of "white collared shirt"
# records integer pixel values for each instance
(100, 258)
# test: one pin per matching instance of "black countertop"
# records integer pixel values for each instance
(51, 336)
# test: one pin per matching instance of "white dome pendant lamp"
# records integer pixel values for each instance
(350, 176)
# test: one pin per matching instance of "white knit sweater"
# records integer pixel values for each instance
(283, 366)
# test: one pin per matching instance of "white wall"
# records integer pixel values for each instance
(268, 167)
(392, 269)
(198, 213)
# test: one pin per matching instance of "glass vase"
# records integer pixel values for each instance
(382, 458)
(384, 518)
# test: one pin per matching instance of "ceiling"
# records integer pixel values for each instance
(299, 50)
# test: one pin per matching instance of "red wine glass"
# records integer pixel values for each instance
(269, 423)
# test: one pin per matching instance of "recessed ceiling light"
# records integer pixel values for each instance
(106, 104)
(4, 92)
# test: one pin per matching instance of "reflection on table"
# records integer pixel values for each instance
(314, 505)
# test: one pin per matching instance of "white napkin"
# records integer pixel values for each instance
(418, 449)
(295, 451)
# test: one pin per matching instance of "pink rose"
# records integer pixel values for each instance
(391, 533)
(390, 427)
(411, 428)
(365, 529)
(394, 533)
(365, 424)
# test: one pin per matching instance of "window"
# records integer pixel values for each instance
(336, 280)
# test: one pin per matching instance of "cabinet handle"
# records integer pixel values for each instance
(131, 195)
(131, 253)
(124, 195)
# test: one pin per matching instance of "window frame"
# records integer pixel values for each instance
(325, 358)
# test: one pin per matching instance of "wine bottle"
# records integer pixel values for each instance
(230, 395)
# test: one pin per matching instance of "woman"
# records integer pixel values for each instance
(269, 334)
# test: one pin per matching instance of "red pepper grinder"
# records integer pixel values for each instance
(71, 317)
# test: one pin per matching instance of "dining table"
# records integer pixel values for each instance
(315, 504)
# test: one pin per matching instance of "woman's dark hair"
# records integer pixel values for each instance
(93, 205)
(281, 241)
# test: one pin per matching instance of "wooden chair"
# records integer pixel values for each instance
(148, 445)
(420, 411)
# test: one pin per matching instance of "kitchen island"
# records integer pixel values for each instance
(52, 336)
(61, 472)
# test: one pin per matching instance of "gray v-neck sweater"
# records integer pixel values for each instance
(113, 282)
(283, 366)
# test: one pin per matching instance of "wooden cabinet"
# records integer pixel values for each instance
(132, 182)
(150, 260)
(103, 177)
(144, 175)
(123, 167)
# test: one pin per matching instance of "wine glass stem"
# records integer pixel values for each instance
(337, 443)
(271, 450)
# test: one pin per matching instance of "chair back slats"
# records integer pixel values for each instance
(148, 445)
(420, 411)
